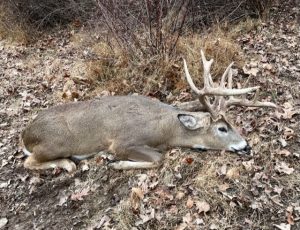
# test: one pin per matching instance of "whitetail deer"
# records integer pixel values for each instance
(135, 128)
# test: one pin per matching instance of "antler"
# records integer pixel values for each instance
(219, 104)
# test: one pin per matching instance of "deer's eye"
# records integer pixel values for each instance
(222, 129)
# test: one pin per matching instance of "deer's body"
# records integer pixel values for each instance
(102, 124)
(134, 128)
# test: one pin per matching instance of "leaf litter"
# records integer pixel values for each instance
(192, 190)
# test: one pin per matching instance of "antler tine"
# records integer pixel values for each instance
(219, 102)
(206, 70)
(196, 90)
(189, 79)
(225, 74)
(243, 101)
(249, 103)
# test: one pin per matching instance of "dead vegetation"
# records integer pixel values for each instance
(192, 190)
(159, 75)
(10, 27)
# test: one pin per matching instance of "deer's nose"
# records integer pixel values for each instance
(247, 149)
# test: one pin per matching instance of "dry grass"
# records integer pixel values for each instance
(243, 27)
(160, 75)
(116, 72)
(124, 217)
(11, 28)
(217, 45)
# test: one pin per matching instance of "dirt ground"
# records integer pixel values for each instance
(192, 190)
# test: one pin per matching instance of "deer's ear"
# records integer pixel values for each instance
(192, 122)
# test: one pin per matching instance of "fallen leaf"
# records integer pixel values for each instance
(142, 178)
(222, 170)
(284, 152)
(173, 210)
(248, 221)
(179, 195)
(248, 164)
(62, 199)
(79, 195)
(296, 154)
(35, 180)
(164, 194)
(189, 202)
(213, 227)
(199, 221)
(135, 197)
(251, 71)
(3, 222)
(182, 226)
(278, 189)
(202, 206)
(289, 215)
(138, 192)
(223, 187)
(282, 167)
(145, 218)
(277, 200)
(4, 184)
(85, 166)
(267, 66)
(187, 218)
(288, 133)
(256, 205)
(283, 226)
(189, 160)
(103, 222)
(233, 173)
(282, 142)
(288, 111)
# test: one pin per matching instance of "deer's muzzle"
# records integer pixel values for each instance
(246, 150)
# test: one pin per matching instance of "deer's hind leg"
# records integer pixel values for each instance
(139, 157)
(32, 163)
(43, 157)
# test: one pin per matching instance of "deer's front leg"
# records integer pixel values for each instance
(139, 157)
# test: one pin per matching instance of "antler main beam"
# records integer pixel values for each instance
(249, 103)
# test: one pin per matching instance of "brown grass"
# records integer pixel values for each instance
(124, 217)
(217, 45)
(11, 28)
(243, 27)
(159, 75)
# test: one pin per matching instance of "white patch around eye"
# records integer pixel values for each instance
(239, 146)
